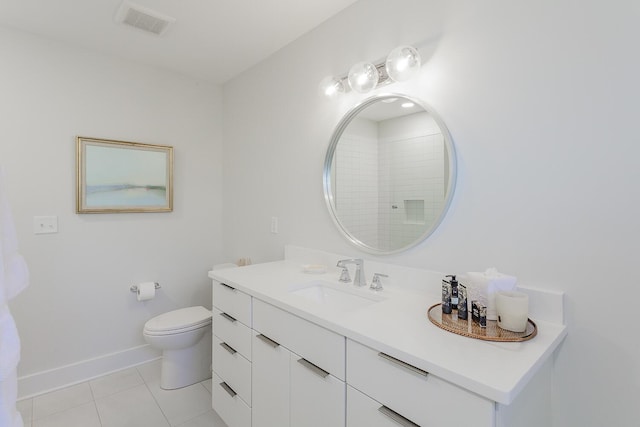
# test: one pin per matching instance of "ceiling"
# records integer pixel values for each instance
(211, 40)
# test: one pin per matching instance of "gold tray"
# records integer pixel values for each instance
(471, 329)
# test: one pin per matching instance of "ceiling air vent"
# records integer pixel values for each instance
(143, 19)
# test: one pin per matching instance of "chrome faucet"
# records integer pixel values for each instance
(360, 278)
(376, 283)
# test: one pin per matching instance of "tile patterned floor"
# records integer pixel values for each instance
(128, 398)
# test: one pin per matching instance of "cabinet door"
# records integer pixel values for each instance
(317, 397)
(270, 383)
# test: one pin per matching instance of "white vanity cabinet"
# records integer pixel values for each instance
(298, 371)
(232, 341)
(278, 362)
(386, 389)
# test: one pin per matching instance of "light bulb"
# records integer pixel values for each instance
(403, 63)
(363, 77)
(331, 87)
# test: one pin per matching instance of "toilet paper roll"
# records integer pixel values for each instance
(146, 291)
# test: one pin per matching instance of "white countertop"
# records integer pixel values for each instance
(399, 326)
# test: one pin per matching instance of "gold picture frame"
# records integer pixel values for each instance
(119, 176)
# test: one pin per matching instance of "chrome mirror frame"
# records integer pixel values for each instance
(328, 164)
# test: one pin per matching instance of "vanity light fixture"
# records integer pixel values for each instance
(363, 77)
(401, 64)
(331, 87)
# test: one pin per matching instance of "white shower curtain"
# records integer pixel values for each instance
(14, 277)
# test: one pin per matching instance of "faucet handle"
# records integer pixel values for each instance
(344, 276)
(376, 283)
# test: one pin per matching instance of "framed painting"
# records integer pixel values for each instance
(119, 176)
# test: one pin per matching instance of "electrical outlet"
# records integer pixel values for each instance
(45, 224)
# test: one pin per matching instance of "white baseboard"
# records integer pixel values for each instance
(53, 379)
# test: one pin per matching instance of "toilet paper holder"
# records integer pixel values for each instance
(134, 288)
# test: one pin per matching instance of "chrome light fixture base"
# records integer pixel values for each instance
(403, 63)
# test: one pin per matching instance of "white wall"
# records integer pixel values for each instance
(541, 101)
(78, 305)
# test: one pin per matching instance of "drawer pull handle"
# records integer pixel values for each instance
(318, 371)
(267, 340)
(227, 286)
(393, 415)
(403, 364)
(228, 348)
(229, 318)
(228, 389)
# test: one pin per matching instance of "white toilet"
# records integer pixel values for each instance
(184, 336)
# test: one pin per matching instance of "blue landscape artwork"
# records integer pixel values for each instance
(124, 177)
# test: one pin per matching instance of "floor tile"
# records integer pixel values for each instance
(113, 383)
(134, 407)
(181, 404)
(80, 416)
(208, 419)
(61, 400)
(150, 371)
(128, 398)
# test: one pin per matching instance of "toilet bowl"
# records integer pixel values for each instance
(184, 336)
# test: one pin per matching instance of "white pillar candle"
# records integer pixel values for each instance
(512, 309)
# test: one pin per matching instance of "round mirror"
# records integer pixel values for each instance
(389, 173)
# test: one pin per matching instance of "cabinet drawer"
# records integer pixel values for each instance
(364, 411)
(234, 369)
(317, 398)
(233, 411)
(235, 303)
(425, 399)
(315, 343)
(233, 332)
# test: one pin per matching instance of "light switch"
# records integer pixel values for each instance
(274, 224)
(45, 224)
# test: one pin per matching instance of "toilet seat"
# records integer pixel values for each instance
(178, 321)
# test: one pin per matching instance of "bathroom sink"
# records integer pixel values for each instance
(338, 297)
